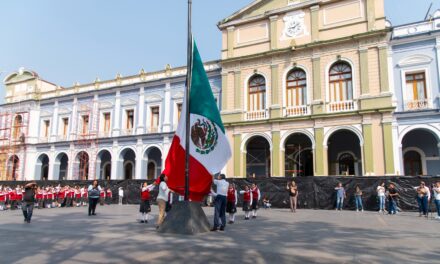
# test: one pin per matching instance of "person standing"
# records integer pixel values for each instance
(293, 195)
(423, 197)
(94, 192)
(340, 196)
(109, 196)
(2, 199)
(436, 190)
(231, 204)
(358, 199)
(256, 196)
(220, 203)
(145, 207)
(120, 195)
(162, 199)
(380, 190)
(28, 201)
(392, 199)
(247, 201)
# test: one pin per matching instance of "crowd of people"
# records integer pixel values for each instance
(51, 196)
(424, 195)
(225, 199)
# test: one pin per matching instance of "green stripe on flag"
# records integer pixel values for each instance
(202, 101)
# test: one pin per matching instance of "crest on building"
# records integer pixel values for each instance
(204, 135)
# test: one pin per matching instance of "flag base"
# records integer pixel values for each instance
(185, 218)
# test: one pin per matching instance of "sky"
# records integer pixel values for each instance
(70, 41)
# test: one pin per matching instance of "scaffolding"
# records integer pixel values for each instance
(86, 143)
(14, 126)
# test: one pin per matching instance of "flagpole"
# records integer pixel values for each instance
(188, 89)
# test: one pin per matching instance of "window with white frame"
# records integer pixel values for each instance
(106, 124)
(155, 112)
(340, 82)
(256, 93)
(64, 126)
(46, 128)
(416, 90)
(296, 88)
(129, 116)
(84, 124)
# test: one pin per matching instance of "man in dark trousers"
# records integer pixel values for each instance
(220, 202)
(28, 201)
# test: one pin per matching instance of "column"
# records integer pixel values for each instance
(238, 88)
(54, 126)
(437, 51)
(320, 152)
(237, 155)
(73, 123)
(388, 147)
(117, 116)
(314, 13)
(115, 162)
(316, 61)
(368, 148)
(231, 41)
(273, 32)
(371, 15)
(167, 111)
(276, 154)
(50, 174)
(383, 66)
(363, 60)
(225, 90)
(141, 115)
(275, 86)
(139, 160)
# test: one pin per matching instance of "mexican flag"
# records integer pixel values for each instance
(209, 148)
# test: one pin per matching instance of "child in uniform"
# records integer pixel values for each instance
(247, 201)
(145, 202)
(102, 197)
(231, 203)
(109, 196)
(256, 195)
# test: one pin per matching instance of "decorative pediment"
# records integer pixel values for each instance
(415, 60)
(45, 113)
(84, 108)
(64, 110)
(105, 104)
(153, 98)
(128, 102)
(20, 76)
(178, 95)
(258, 7)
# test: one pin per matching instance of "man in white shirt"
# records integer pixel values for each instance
(436, 190)
(220, 202)
(423, 197)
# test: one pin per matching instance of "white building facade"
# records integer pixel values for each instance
(116, 129)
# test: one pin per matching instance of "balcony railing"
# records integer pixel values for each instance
(341, 106)
(43, 139)
(62, 137)
(153, 130)
(256, 115)
(104, 134)
(412, 105)
(127, 132)
(297, 110)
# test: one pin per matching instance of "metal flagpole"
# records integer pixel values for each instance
(188, 89)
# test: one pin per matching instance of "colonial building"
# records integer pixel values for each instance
(115, 129)
(415, 50)
(306, 88)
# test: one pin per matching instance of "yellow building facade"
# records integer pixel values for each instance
(306, 89)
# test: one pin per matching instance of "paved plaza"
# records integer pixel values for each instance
(68, 235)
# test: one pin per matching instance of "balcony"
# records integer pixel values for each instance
(62, 138)
(256, 115)
(414, 105)
(296, 110)
(341, 106)
(43, 140)
(104, 134)
(127, 132)
(153, 130)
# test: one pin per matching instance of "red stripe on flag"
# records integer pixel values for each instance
(200, 180)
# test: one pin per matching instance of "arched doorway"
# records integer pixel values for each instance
(420, 157)
(298, 157)
(13, 168)
(104, 165)
(61, 166)
(344, 153)
(258, 158)
(82, 168)
(42, 167)
(128, 157)
(153, 158)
